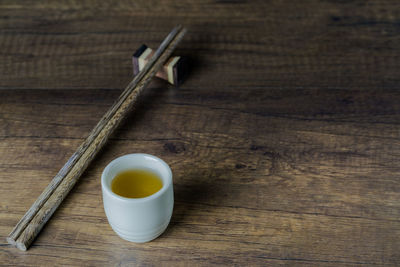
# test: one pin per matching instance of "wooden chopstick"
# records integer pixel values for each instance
(43, 208)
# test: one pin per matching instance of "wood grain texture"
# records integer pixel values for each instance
(284, 141)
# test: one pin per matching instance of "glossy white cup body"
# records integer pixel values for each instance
(138, 219)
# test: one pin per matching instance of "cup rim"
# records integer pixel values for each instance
(136, 200)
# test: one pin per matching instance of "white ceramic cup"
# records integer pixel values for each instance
(138, 219)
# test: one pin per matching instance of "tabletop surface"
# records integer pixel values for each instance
(284, 139)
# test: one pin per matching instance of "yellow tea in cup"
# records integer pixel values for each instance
(136, 183)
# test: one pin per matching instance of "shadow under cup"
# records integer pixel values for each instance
(138, 219)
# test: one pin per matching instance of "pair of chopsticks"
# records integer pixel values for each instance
(43, 208)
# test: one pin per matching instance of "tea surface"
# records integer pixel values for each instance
(136, 183)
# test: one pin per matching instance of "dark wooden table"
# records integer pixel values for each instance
(284, 140)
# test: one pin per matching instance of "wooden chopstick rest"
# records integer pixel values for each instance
(173, 71)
